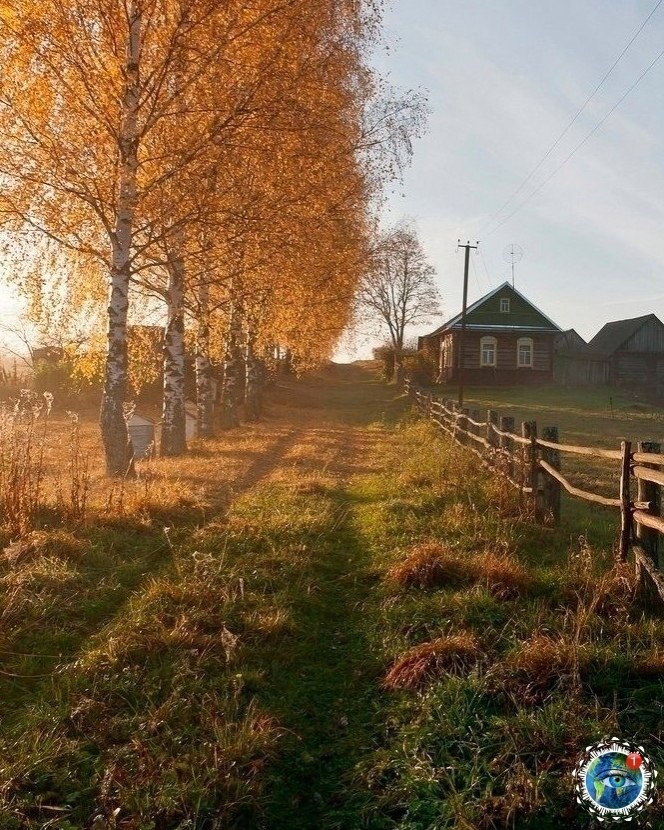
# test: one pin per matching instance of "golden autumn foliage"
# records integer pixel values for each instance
(225, 157)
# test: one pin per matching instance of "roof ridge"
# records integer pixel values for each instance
(473, 306)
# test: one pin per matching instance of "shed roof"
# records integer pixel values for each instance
(569, 343)
(612, 335)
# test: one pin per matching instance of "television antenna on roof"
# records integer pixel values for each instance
(513, 254)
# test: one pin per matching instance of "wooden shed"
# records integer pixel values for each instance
(568, 340)
(580, 367)
(507, 341)
(623, 353)
(633, 350)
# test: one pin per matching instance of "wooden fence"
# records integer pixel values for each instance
(532, 464)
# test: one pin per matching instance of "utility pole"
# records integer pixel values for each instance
(467, 247)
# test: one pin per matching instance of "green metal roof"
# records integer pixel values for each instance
(485, 313)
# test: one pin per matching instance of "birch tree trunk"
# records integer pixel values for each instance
(173, 421)
(228, 416)
(204, 398)
(253, 379)
(118, 448)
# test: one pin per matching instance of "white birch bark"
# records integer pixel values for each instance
(118, 449)
(173, 420)
(204, 398)
(228, 414)
(253, 379)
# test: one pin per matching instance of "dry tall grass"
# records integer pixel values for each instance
(24, 427)
(450, 655)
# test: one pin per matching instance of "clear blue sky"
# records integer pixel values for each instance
(503, 80)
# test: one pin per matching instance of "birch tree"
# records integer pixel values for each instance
(86, 93)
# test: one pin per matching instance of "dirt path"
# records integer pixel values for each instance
(325, 424)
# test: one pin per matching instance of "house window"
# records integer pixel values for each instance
(505, 305)
(524, 352)
(446, 348)
(488, 351)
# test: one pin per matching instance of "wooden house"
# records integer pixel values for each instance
(507, 341)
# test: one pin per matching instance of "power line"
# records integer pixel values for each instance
(477, 279)
(580, 144)
(497, 213)
(486, 270)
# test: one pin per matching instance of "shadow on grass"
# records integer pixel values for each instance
(323, 685)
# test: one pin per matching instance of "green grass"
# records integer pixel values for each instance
(236, 677)
(494, 748)
(592, 417)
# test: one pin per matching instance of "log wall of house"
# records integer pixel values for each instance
(506, 372)
(507, 351)
(634, 369)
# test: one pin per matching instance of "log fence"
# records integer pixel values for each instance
(533, 466)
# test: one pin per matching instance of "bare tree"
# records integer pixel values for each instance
(399, 289)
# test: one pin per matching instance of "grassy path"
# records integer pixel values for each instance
(323, 682)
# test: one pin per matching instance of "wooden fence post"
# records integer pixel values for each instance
(476, 415)
(445, 417)
(647, 537)
(524, 476)
(491, 437)
(625, 501)
(506, 444)
(534, 473)
(551, 486)
(462, 421)
(455, 421)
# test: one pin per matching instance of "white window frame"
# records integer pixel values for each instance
(488, 341)
(504, 305)
(446, 360)
(525, 341)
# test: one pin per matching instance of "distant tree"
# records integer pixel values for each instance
(399, 289)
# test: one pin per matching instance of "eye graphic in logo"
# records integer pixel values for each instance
(614, 780)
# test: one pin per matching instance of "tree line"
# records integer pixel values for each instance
(221, 160)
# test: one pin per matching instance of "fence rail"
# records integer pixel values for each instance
(532, 464)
